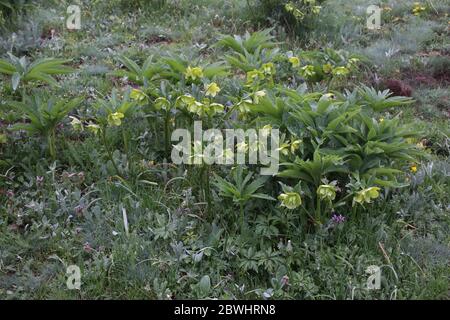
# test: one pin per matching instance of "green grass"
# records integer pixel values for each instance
(75, 214)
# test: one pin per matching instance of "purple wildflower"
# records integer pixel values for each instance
(338, 218)
(39, 180)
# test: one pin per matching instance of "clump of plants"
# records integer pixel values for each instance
(295, 15)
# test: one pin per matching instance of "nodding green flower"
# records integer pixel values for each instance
(295, 145)
(353, 61)
(228, 155)
(184, 100)
(340, 71)
(418, 8)
(242, 147)
(290, 200)
(195, 107)
(137, 95)
(76, 124)
(257, 95)
(114, 119)
(214, 108)
(193, 73)
(307, 71)
(295, 62)
(94, 128)
(254, 75)
(245, 106)
(289, 7)
(327, 68)
(284, 148)
(212, 89)
(162, 103)
(268, 68)
(316, 9)
(326, 192)
(366, 195)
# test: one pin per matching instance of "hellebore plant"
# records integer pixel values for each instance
(21, 71)
(241, 189)
(44, 115)
(110, 113)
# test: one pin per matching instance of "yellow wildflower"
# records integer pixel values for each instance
(114, 119)
(212, 89)
(290, 200)
(193, 73)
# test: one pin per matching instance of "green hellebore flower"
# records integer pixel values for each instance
(214, 108)
(114, 119)
(295, 62)
(307, 71)
(196, 107)
(268, 68)
(162, 103)
(76, 124)
(137, 95)
(212, 89)
(366, 195)
(193, 73)
(290, 200)
(316, 9)
(284, 149)
(326, 192)
(295, 145)
(184, 100)
(340, 71)
(254, 75)
(94, 128)
(245, 106)
(258, 95)
(327, 68)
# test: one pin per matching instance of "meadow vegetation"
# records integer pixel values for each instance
(86, 176)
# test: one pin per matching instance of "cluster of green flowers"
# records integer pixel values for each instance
(299, 15)
(308, 71)
(78, 125)
(289, 147)
(201, 108)
(418, 8)
(193, 73)
(327, 192)
(266, 72)
(245, 105)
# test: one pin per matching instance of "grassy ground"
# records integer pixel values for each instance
(74, 215)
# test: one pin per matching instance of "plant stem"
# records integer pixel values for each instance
(51, 144)
(166, 135)
(208, 190)
(241, 207)
(318, 213)
(108, 151)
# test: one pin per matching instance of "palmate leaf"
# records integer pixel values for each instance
(241, 189)
(39, 70)
(30, 128)
(314, 170)
(249, 42)
(217, 69)
(43, 115)
(6, 67)
(381, 100)
(50, 66)
(130, 65)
